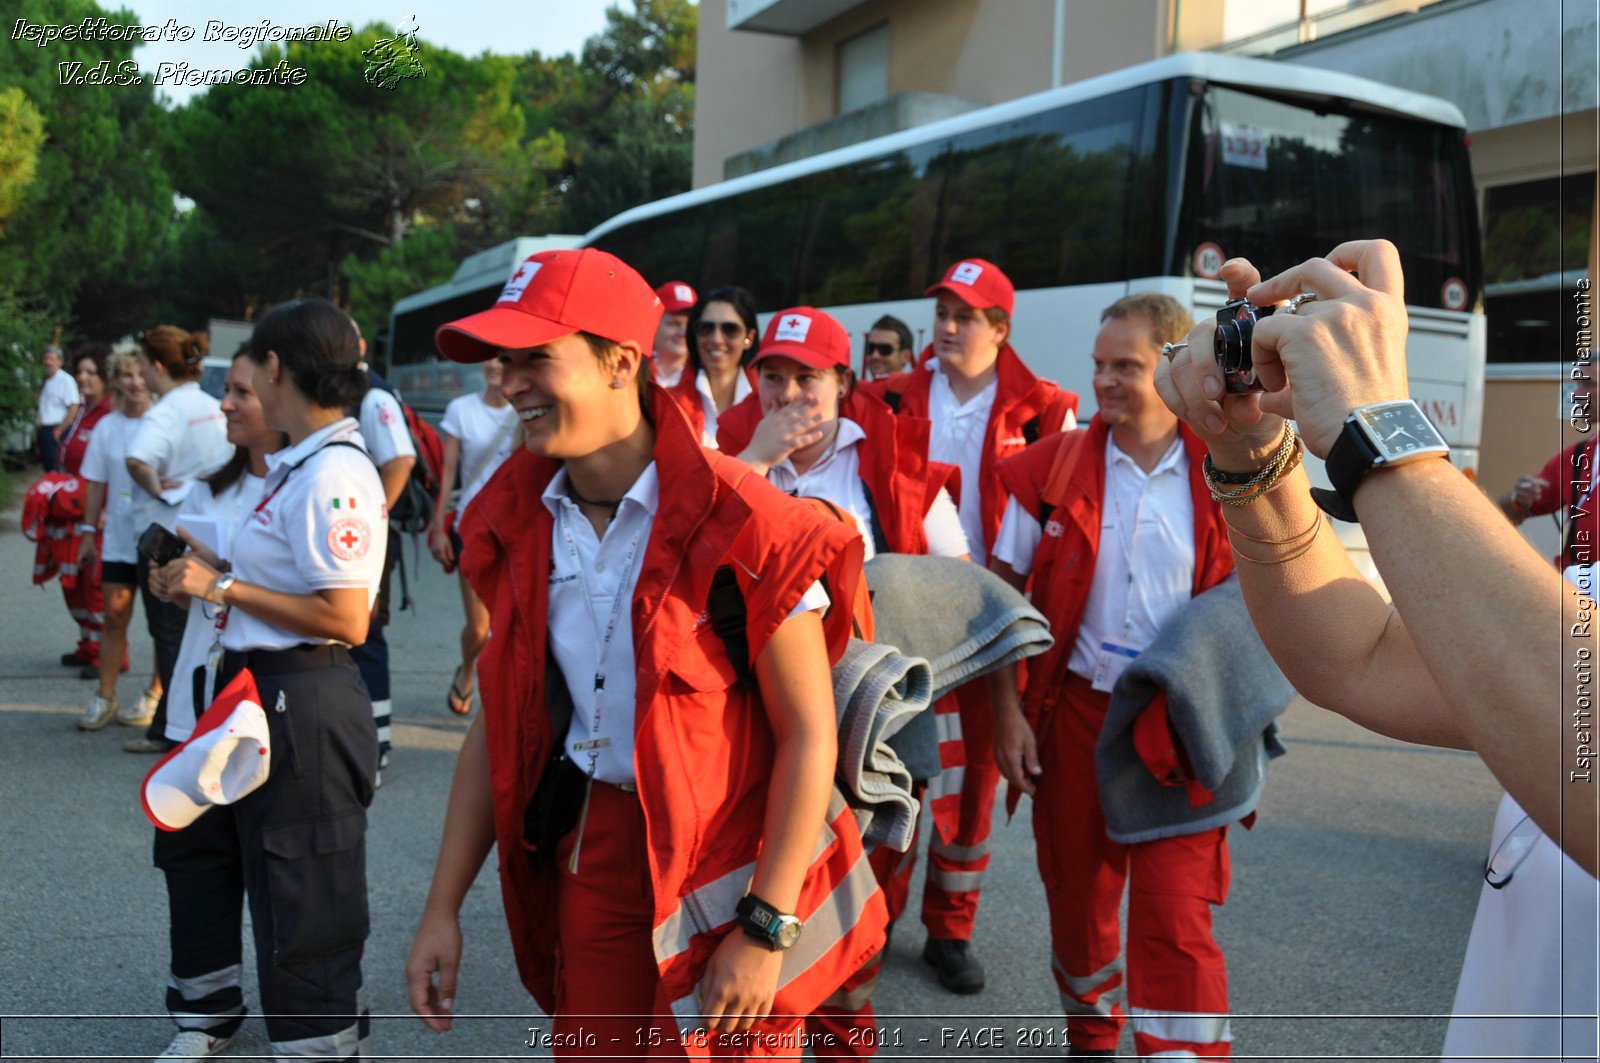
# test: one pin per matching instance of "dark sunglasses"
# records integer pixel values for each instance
(731, 330)
(882, 350)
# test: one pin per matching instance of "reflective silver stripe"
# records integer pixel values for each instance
(1090, 982)
(1196, 1028)
(834, 917)
(1102, 1007)
(907, 859)
(193, 1020)
(342, 1045)
(1078, 988)
(949, 726)
(947, 782)
(687, 1011)
(1176, 1053)
(204, 985)
(692, 916)
(954, 881)
(964, 854)
(713, 904)
(859, 997)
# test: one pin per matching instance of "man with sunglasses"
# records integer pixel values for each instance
(888, 348)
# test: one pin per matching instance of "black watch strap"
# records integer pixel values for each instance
(1349, 459)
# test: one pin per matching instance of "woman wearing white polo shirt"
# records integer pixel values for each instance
(108, 504)
(180, 440)
(307, 558)
(203, 869)
(479, 433)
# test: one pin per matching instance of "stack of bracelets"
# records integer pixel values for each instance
(1243, 489)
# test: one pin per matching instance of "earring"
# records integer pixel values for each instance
(616, 383)
(272, 380)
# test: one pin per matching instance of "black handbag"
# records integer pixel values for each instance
(557, 803)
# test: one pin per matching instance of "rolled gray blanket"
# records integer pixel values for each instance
(962, 618)
(877, 691)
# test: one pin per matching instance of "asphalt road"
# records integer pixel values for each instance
(1344, 931)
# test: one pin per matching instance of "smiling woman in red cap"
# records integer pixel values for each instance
(621, 765)
(984, 404)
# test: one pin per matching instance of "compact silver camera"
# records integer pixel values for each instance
(1236, 323)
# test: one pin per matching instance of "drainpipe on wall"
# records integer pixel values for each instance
(1059, 58)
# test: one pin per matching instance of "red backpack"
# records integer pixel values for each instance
(412, 513)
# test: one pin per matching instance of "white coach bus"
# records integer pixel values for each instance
(1145, 179)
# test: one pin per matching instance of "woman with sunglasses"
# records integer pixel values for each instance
(722, 333)
(813, 434)
(667, 831)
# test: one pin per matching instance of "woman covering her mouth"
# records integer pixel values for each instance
(661, 796)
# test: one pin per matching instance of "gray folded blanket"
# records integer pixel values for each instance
(877, 691)
(1224, 694)
(963, 619)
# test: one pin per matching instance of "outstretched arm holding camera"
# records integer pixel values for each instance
(1477, 648)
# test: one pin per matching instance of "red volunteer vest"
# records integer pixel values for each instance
(893, 458)
(1063, 566)
(1020, 397)
(703, 746)
(76, 442)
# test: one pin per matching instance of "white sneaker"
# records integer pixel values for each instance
(140, 713)
(195, 1044)
(100, 712)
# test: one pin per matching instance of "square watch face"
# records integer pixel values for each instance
(1400, 430)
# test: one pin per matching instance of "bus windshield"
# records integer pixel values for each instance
(1280, 182)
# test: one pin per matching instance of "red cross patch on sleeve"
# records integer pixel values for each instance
(349, 539)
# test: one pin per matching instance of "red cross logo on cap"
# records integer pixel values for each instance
(349, 539)
(793, 328)
(966, 273)
(519, 281)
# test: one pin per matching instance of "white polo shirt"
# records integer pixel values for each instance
(590, 620)
(702, 384)
(320, 525)
(837, 478)
(183, 437)
(1144, 569)
(957, 439)
(212, 519)
(59, 393)
(383, 426)
(103, 462)
(486, 435)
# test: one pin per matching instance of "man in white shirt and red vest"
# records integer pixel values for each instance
(1117, 529)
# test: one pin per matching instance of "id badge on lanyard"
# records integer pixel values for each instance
(1111, 661)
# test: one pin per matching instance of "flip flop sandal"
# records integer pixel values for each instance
(461, 701)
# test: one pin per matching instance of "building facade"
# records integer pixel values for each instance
(780, 80)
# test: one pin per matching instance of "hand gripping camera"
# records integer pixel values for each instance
(1236, 324)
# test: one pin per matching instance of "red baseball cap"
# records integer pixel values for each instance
(979, 284)
(676, 297)
(554, 294)
(809, 336)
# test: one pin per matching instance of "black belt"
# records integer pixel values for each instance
(303, 658)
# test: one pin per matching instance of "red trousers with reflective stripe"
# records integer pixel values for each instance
(606, 968)
(956, 868)
(837, 1029)
(1175, 969)
(87, 604)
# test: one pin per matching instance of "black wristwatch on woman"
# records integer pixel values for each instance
(766, 924)
(1379, 435)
